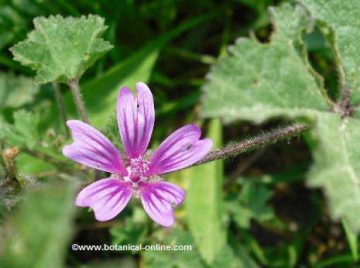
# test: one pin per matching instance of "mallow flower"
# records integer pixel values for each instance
(135, 172)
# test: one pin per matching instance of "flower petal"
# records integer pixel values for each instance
(136, 118)
(158, 199)
(107, 197)
(93, 149)
(181, 149)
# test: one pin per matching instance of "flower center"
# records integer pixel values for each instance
(137, 169)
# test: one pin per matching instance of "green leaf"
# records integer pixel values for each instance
(352, 239)
(37, 235)
(23, 133)
(262, 81)
(343, 18)
(204, 202)
(61, 49)
(227, 258)
(137, 67)
(255, 195)
(242, 215)
(132, 232)
(16, 91)
(337, 166)
(252, 203)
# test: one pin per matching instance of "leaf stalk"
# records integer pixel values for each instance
(78, 99)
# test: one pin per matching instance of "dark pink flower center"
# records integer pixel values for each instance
(138, 168)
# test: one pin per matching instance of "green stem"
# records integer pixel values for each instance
(78, 100)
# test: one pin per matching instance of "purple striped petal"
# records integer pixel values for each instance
(136, 118)
(107, 197)
(181, 149)
(93, 149)
(158, 200)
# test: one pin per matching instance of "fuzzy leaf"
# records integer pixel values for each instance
(23, 133)
(261, 81)
(37, 235)
(343, 18)
(137, 67)
(16, 91)
(337, 165)
(60, 49)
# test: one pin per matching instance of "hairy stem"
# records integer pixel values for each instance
(61, 105)
(270, 137)
(78, 100)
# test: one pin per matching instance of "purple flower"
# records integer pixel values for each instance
(137, 172)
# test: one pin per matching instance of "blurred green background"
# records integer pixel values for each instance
(251, 211)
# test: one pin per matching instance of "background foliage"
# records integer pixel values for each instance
(237, 68)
